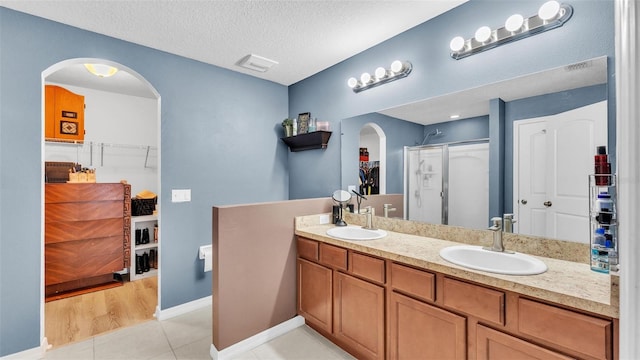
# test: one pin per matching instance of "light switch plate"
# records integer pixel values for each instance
(180, 195)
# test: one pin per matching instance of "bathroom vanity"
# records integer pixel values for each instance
(396, 298)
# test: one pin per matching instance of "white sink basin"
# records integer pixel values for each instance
(475, 257)
(355, 233)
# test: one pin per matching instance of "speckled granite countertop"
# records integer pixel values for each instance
(566, 282)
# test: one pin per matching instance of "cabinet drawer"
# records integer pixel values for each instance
(83, 211)
(367, 267)
(586, 335)
(333, 256)
(418, 283)
(62, 231)
(493, 344)
(308, 249)
(486, 304)
(73, 260)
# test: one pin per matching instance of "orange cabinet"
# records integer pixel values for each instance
(422, 331)
(495, 345)
(64, 114)
(315, 294)
(358, 316)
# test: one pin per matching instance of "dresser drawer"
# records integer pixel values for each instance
(308, 249)
(475, 300)
(62, 231)
(333, 256)
(366, 266)
(414, 282)
(584, 334)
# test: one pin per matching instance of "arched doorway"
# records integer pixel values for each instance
(373, 166)
(121, 142)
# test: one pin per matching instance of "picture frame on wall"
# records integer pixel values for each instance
(303, 122)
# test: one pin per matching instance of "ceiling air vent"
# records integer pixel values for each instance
(256, 63)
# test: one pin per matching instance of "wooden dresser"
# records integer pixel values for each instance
(87, 236)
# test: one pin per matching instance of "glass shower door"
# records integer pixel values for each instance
(423, 184)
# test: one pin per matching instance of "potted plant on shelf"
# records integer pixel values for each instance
(287, 125)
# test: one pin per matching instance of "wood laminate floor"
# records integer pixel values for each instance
(84, 316)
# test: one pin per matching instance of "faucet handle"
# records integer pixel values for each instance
(386, 205)
(497, 221)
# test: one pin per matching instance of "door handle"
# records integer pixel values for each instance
(523, 202)
(547, 203)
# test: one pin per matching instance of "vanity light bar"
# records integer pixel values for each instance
(398, 70)
(550, 16)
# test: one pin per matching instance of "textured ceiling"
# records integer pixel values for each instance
(304, 37)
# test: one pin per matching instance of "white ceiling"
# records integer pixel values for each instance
(303, 36)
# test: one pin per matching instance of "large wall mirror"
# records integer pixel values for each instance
(533, 121)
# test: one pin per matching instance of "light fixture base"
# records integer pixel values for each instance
(531, 26)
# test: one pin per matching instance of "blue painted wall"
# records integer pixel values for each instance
(220, 138)
(588, 34)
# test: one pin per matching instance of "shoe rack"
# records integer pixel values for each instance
(145, 253)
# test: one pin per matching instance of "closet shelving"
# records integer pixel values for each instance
(101, 147)
(144, 222)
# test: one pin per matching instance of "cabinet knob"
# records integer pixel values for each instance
(547, 203)
(523, 202)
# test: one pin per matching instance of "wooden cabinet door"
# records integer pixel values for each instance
(315, 294)
(422, 331)
(359, 316)
(494, 345)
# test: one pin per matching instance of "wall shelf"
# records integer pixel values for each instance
(309, 141)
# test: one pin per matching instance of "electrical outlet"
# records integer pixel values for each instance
(324, 219)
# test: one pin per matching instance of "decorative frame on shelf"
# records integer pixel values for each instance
(303, 122)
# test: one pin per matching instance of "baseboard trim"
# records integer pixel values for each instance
(256, 340)
(183, 308)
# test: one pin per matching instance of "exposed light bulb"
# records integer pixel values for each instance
(397, 66)
(365, 78)
(352, 82)
(457, 43)
(514, 23)
(101, 70)
(549, 10)
(380, 73)
(483, 34)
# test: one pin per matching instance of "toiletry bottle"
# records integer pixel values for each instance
(602, 166)
(599, 238)
(604, 208)
(599, 252)
(312, 124)
(295, 126)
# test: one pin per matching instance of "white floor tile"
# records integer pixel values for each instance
(188, 328)
(189, 337)
(198, 350)
(79, 351)
(144, 341)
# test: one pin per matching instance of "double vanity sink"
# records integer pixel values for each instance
(469, 256)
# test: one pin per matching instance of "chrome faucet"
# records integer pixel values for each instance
(369, 212)
(386, 208)
(507, 222)
(497, 235)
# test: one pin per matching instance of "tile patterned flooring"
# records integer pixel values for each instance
(189, 337)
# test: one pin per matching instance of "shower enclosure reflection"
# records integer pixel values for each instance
(448, 183)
